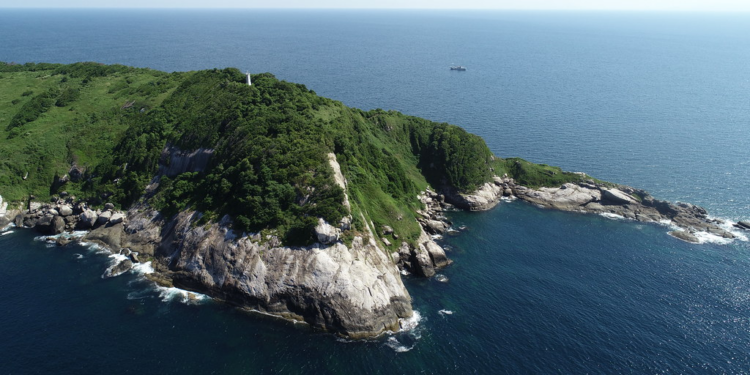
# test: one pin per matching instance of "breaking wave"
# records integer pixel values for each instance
(407, 337)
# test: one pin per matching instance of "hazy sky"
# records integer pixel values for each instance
(682, 5)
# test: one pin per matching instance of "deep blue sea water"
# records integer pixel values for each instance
(659, 101)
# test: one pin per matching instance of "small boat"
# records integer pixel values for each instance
(458, 67)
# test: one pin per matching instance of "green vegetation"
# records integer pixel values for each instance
(269, 142)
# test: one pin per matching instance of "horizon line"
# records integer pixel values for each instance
(384, 8)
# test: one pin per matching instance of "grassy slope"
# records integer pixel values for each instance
(83, 131)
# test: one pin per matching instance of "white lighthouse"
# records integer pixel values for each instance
(248, 79)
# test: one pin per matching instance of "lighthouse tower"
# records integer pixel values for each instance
(248, 79)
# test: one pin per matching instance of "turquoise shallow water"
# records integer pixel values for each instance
(658, 101)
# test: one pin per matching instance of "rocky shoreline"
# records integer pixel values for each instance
(353, 289)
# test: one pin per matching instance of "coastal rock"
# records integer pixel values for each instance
(66, 210)
(44, 224)
(484, 198)
(617, 196)
(103, 218)
(566, 197)
(87, 219)
(355, 291)
(109, 237)
(437, 254)
(685, 236)
(436, 227)
(116, 218)
(58, 225)
(421, 262)
(743, 225)
(63, 240)
(109, 206)
(118, 269)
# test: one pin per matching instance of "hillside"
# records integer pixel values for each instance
(98, 132)
(266, 196)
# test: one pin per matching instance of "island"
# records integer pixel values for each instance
(262, 194)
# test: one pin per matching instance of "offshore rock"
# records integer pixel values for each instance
(118, 269)
(684, 235)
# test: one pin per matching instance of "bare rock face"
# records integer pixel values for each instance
(589, 197)
(354, 291)
(617, 196)
(326, 233)
(486, 197)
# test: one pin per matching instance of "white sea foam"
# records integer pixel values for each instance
(409, 324)
(437, 237)
(6, 232)
(8, 227)
(397, 346)
(705, 237)
(610, 215)
(441, 278)
(405, 272)
(508, 199)
(78, 256)
(406, 338)
(176, 294)
(143, 268)
(445, 312)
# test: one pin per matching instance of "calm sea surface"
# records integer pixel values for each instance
(655, 100)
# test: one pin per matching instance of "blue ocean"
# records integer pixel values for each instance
(659, 101)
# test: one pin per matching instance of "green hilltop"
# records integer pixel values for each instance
(100, 132)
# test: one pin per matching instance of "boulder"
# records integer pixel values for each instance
(52, 212)
(103, 218)
(110, 237)
(29, 221)
(58, 225)
(435, 226)
(87, 219)
(62, 240)
(684, 235)
(385, 241)
(396, 257)
(326, 233)
(744, 225)
(44, 224)
(116, 218)
(134, 257)
(421, 262)
(109, 206)
(387, 230)
(66, 210)
(437, 254)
